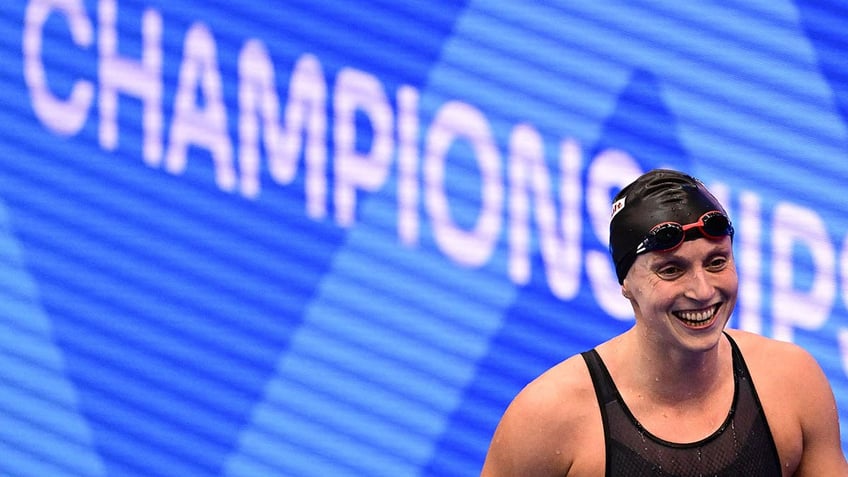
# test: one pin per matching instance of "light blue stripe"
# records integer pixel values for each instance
(56, 440)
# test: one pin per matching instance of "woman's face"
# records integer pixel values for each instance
(684, 297)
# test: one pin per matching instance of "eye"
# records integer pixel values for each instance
(717, 263)
(669, 271)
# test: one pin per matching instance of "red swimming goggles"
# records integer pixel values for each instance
(669, 235)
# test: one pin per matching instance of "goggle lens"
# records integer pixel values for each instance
(669, 235)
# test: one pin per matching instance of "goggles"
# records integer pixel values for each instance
(669, 235)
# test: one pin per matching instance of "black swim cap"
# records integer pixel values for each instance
(661, 195)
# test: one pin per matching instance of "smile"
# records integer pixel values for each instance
(697, 318)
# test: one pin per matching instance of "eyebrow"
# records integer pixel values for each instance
(717, 247)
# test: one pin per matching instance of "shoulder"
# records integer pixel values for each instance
(556, 403)
(798, 402)
(546, 423)
(558, 396)
(782, 371)
(779, 360)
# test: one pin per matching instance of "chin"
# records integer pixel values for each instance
(703, 335)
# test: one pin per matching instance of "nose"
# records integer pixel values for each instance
(699, 285)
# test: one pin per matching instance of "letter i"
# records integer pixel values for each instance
(408, 160)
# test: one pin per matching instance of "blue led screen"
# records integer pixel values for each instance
(336, 238)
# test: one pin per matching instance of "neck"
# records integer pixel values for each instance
(671, 373)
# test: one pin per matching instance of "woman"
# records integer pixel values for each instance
(677, 394)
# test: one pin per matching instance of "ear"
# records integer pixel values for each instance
(625, 292)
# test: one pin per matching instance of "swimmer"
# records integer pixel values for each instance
(678, 394)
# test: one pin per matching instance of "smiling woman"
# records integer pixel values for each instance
(674, 393)
(337, 237)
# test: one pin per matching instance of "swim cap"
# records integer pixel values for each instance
(661, 195)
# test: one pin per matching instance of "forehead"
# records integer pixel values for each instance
(691, 250)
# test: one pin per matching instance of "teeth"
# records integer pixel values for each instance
(697, 317)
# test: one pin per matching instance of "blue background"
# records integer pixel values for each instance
(153, 322)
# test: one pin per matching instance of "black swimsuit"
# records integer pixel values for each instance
(743, 445)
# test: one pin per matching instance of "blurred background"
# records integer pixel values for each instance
(336, 238)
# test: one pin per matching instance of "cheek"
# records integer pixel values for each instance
(731, 284)
(728, 279)
(653, 285)
(653, 294)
